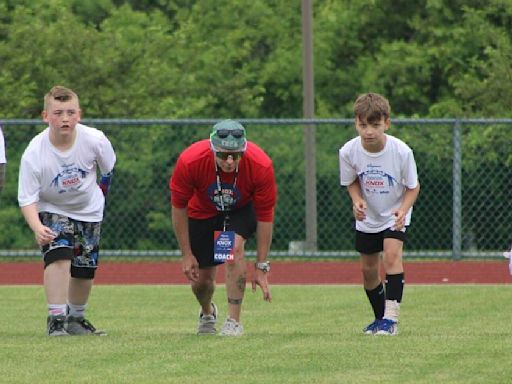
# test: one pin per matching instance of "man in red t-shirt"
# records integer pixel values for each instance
(223, 191)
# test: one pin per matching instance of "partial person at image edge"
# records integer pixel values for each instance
(3, 159)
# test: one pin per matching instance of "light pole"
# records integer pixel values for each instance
(309, 130)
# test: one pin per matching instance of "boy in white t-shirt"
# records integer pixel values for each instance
(380, 174)
(63, 204)
(3, 160)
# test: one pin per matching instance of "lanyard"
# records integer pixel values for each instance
(221, 195)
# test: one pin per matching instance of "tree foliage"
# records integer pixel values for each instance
(200, 58)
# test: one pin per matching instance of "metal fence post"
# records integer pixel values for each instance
(457, 192)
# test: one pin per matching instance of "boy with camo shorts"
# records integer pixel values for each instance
(63, 204)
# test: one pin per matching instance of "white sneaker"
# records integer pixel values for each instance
(206, 324)
(231, 328)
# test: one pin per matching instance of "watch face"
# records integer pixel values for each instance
(265, 267)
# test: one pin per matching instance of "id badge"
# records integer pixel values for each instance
(223, 246)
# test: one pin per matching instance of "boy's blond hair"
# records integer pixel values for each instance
(372, 107)
(59, 93)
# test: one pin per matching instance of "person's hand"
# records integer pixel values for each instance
(44, 235)
(399, 220)
(260, 278)
(190, 267)
(359, 210)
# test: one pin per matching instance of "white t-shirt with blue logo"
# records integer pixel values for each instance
(383, 177)
(65, 182)
(3, 160)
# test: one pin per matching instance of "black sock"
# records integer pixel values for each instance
(395, 287)
(377, 297)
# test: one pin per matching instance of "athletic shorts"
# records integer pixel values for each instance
(77, 241)
(242, 221)
(369, 243)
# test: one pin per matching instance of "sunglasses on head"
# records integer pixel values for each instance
(236, 133)
(225, 155)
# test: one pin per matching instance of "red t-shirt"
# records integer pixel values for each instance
(193, 183)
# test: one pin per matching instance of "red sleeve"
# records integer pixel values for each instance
(180, 185)
(265, 195)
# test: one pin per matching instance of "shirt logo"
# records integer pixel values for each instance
(376, 181)
(69, 179)
(229, 196)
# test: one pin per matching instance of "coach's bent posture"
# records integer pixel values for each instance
(63, 204)
(222, 191)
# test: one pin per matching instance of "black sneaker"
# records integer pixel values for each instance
(55, 326)
(81, 326)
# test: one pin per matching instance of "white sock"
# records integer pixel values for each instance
(57, 309)
(76, 310)
(392, 310)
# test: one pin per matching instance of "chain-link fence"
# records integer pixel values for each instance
(462, 210)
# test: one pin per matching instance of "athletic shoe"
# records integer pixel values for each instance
(206, 325)
(387, 327)
(79, 326)
(55, 326)
(370, 329)
(231, 328)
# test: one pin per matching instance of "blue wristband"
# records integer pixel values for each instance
(105, 181)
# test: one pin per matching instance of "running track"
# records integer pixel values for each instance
(330, 272)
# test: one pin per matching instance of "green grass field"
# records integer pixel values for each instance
(308, 334)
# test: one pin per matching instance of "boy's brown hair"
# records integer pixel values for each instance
(59, 93)
(372, 107)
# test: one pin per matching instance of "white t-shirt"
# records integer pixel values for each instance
(66, 182)
(383, 177)
(3, 160)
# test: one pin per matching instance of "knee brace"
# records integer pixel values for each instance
(55, 254)
(83, 272)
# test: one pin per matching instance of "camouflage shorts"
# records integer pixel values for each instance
(75, 240)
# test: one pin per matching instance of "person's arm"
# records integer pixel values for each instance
(189, 263)
(42, 233)
(410, 197)
(2, 176)
(358, 203)
(3, 160)
(105, 181)
(106, 159)
(263, 242)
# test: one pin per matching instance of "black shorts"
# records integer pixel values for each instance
(242, 221)
(369, 243)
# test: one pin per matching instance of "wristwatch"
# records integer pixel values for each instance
(263, 266)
